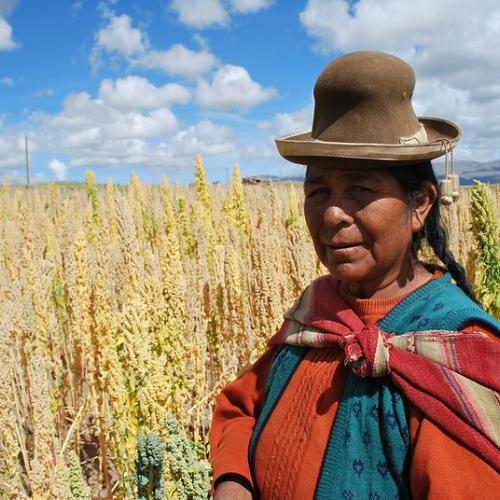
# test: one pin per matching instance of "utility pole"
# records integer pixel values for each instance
(27, 161)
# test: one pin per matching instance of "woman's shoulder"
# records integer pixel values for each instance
(439, 304)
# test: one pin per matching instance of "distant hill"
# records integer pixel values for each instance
(488, 171)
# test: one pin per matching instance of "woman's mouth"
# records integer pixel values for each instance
(343, 245)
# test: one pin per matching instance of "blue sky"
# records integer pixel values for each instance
(120, 85)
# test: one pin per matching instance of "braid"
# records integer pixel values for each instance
(411, 178)
(435, 235)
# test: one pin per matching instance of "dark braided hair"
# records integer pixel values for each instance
(412, 178)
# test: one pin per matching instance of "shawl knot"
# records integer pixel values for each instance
(367, 352)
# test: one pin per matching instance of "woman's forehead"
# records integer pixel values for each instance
(315, 174)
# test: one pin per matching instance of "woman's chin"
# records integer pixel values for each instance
(348, 272)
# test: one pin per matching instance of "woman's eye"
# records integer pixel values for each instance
(360, 189)
(317, 192)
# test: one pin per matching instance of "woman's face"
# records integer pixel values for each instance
(360, 222)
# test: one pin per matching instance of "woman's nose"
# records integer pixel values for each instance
(335, 215)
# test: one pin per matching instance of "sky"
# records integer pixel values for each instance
(116, 86)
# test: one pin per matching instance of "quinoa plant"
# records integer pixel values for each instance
(487, 235)
(190, 473)
(149, 467)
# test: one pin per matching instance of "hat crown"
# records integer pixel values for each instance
(365, 97)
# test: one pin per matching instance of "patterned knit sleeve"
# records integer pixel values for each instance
(236, 410)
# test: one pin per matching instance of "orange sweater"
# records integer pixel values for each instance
(441, 467)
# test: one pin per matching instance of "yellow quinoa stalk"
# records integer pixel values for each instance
(43, 467)
(77, 292)
(150, 224)
(268, 280)
(276, 206)
(168, 206)
(133, 261)
(293, 208)
(135, 198)
(109, 391)
(166, 386)
(235, 338)
(466, 249)
(301, 260)
(135, 190)
(201, 186)
(209, 237)
(198, 355)
(155, 395)
(234, 204)
(10, 478)
(36, 290)
(486, 230)
(136, 359)
(172, 338)
(144, 216)
(117, 419)
(185, 228)
(110, 205)
(133, 343)
(54, 194)
(82, 271)
(8, 263)
(93, 216)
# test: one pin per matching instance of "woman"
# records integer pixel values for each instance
(382, 381)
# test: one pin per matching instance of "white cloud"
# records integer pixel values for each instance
(85, 122)
(94, 132)
(200, 13)
(105, 8)
(7, 81)
(59, 168)
(288, 123)
(119, 38)
(451, 44)
(205, 137)
(200, 40)
(246, 6)
(281, 124)
(232, 88)
(179, 60)
(90, 132)
(6, 42)
(178, 150)
(135, 92)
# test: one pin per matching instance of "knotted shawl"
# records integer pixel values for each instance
(451, 376)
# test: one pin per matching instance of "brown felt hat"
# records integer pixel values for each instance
(363, 117)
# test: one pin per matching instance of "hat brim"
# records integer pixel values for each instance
(305, 150)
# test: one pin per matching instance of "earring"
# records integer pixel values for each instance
(446, 191)
(449, 187)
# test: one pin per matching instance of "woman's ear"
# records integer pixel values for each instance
(422, 205)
